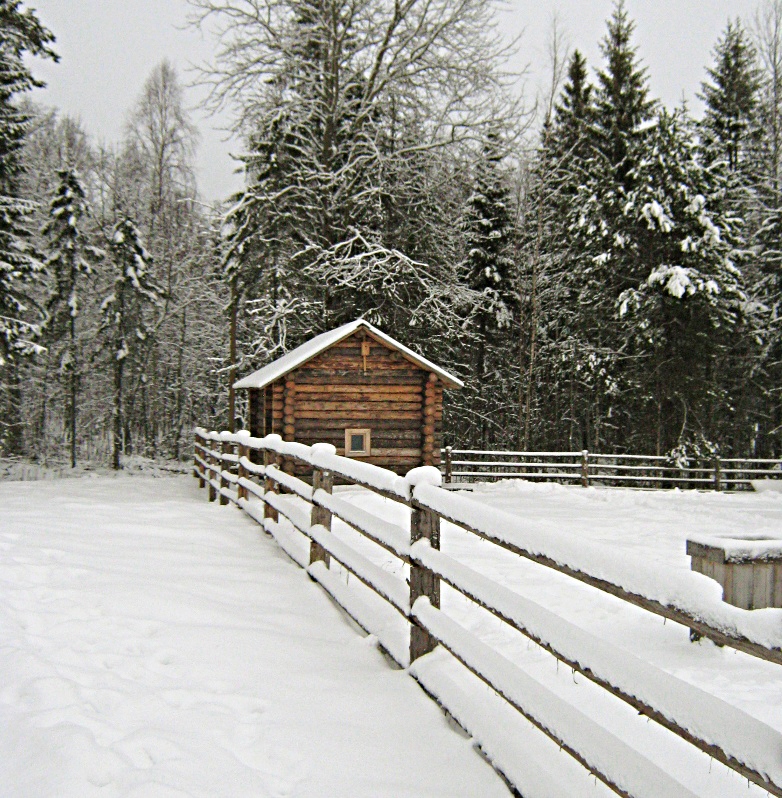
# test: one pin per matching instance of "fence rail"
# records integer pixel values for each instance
(229, 465)
(464, 466)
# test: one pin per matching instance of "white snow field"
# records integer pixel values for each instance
(155, 646)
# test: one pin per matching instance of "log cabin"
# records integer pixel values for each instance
(358, 389)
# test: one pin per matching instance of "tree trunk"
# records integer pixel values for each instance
(233, 310)
(117, 414)
(179, 402)
(74, 375)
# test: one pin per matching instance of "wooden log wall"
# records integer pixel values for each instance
(361, 383)
(428, 426)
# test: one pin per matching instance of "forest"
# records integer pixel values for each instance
(603, 272)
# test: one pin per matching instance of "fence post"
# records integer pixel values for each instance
(717, 473)
(241, 473)
(321, 480)
(196, 469)
(585, 468)
(211, 470)
(201, 481)
(225, 448)
(269, 458)
(448, 465)
(423, 524)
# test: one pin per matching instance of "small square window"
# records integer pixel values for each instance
(357, 442)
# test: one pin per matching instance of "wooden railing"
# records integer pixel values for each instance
(463, 466)
(249, 472)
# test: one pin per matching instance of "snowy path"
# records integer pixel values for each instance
(155, 646)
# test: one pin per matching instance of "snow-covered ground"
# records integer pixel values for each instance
(155, 646)
(152, 644)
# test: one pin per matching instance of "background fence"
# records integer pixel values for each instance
(463, 466)
(254, 474)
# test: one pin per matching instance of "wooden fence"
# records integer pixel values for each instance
(253, 474)
(463, 466)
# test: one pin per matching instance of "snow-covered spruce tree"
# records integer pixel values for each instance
(126, 324)
(622, 102)
(766, 162)
(571, 132)
(357, 97)
(731, 134)
(488, 228)
(555, 376)
(71, 258)
(731, 98)
(53, 143)
(597, 268)
(682, 318)
(21, 34)
(489, 270)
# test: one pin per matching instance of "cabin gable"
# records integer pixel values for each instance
(360, 384)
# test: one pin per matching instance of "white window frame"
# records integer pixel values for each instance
(366, 434)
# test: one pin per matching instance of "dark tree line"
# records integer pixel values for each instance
(661, 319)
(609, 278)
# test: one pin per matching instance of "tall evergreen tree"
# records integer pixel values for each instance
(731, 136)
(489, 271)
(622, 103)
(766, 172)
(562, 165)
(575, 111)
(683, 317)
(731, 97)
(597, 266)
(126, 319)
(71, 257)
(489, 239)
(21, 34)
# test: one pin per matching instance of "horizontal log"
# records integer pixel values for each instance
(345, 364)
(673, 613)
(390, 390)
(392, 452)
(337, 424)
(355, 356)
(360, 395)
(392, 437)
(356, 377)
(361, 415)
(331, 406)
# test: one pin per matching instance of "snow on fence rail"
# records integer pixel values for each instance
(227, 464)
(462, 466)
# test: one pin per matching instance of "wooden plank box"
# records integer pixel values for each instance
(748, 568)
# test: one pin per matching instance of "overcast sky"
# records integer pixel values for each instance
(108, 48)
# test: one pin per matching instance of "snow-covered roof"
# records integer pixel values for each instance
(297, 357)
